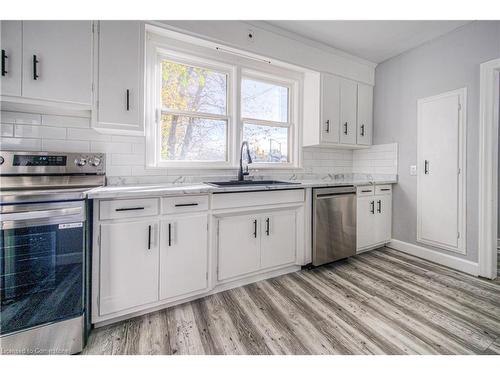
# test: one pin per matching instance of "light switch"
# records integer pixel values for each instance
(413, 170)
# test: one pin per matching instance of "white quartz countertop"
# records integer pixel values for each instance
(130, 191)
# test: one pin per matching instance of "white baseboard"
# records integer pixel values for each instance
(446, 260)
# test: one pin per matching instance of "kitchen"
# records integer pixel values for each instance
(249, 187)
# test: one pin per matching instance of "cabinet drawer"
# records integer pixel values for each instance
(363, 191)
(174, 205)
(125, 208)
(383, 189)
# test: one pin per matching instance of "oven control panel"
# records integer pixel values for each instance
(26, 162)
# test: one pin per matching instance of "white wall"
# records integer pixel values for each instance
(449, 62)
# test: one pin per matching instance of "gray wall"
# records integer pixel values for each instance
(447, 63)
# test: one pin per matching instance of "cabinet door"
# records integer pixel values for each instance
(383, 222)
(365, 226)
(120, 67)
(10, 81)
(239, 246)
(183, 255)
(57, 59)
(348, 109)
(330, 118)
(128, 265)
(365, 114)
(278, 239)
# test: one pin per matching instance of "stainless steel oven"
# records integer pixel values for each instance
(44, 231)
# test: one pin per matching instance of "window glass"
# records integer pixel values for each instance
(268, 144)
(264, 101)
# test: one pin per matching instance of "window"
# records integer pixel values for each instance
(265, 112)
(194, 113)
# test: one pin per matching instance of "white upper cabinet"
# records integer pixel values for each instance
(348, 111)
(11, 58)
(120, 77)
(330, 109)
(365, 114)
(57, 61)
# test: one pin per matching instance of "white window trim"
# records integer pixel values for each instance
(235, 72)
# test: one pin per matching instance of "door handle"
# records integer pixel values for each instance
(328, 126)
(35, 67)
(372, 207)
(426, 167)
(362, 130)
(4, 57)
(255, 228)
(267, 226)
(128, 100)
(169, 234)
(149, 237)
(379, 206)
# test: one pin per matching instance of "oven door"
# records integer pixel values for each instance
(41, 263)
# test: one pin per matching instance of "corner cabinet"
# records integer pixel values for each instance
(119, 78)
(346, 114)
(374, 216)
(47, 62)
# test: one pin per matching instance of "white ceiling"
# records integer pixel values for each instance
(375, 41)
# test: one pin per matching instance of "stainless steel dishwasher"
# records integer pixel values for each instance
(334, 224)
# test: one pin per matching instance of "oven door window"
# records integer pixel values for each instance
(41, 279)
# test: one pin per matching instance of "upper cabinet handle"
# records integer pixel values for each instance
(426, 167)
(128, 100)
(4, 57)
(362, 130)
(267, 226)
(345, 128)
(35, 68)
(149, 237)
(328, 126)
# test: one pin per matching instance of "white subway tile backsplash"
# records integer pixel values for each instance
(20, 118)
(87, 134)
(127, 159)
(126, 138)
(20, 144)
(7, 130)
(113, 170)
(39, 131)
(110, 147)
(65, 145)
(66, 121)
(378, 159)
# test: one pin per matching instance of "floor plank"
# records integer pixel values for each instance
(379, 302)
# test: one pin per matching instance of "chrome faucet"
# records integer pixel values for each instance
(241, 173)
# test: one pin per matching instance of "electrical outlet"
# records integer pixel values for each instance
(413, 170)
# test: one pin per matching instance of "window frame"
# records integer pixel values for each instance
(159, 47)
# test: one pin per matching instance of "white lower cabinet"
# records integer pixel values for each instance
(374, 217)
(128, 265)
(249, 243)
(183, 255)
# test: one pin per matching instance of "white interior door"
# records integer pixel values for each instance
(441, 181)
(128, 265)
(330, 109)
(63, 67)
(348, 109)
(239, 246)
(278, 239)
(183, 255)
(10, 79)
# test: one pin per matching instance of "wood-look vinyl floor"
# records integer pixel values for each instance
(380, 302)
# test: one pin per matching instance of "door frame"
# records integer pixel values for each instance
(488, 167)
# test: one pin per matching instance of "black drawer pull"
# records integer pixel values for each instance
(4, 57)
(129, 209)
(149, 237)
(35, 68)
(366, 191)
(186, 204)
(385, 189)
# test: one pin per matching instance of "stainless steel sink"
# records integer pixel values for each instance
(251, 183)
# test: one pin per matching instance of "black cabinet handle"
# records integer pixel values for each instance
(267, 226)
(386, 189)
(345, 128)
(255, 228)
(169, 234)
(128, 100)
(362, 130)
(129, 209)
(4, 57)
(426, 167)
(186, 204)
(366, 191)
(379, 206)
(372, 207)
(35, 68)
(328, 126)
(149, 237)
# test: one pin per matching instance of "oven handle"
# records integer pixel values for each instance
(42, 214)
